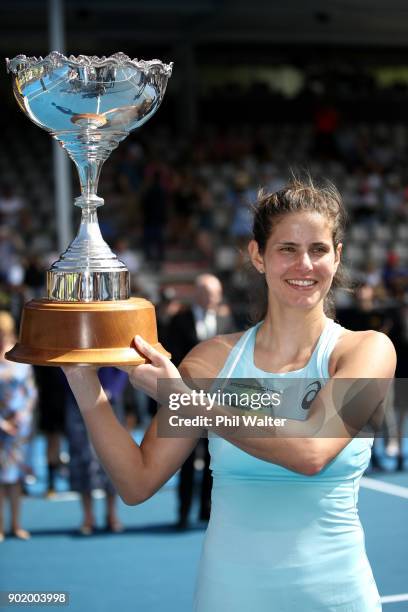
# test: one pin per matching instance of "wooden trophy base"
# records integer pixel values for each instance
(87, 333)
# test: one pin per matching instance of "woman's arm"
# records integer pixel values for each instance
(137, 472)
(367, 361)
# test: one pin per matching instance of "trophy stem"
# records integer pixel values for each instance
(89, 173)
(89, 148)
(88, 270)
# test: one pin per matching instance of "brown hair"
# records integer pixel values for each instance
(299, 196)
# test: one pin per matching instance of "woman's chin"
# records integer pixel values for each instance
(304, 302)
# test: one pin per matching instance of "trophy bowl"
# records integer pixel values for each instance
(89, 105)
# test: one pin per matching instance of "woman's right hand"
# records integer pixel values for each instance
(158, 368)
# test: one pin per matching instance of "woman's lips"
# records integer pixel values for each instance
(301, 284)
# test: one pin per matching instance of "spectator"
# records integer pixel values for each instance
(154, 202)
(205, 318)
(369, 313)
(11, 207)
(86, 473)
(17, 401)
(51, 393)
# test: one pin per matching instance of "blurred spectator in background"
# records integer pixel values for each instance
(371, 275)
(34, 276)
(11, 271)
(401, 400)
(167, 307)
(366, 201)
(205, 220)
(240, 198)
(401, 404)
(347, 145)
(130, 178)
(51, 422)
(369, 312)
(205, 318)
(395, 276)
(326, 121)
(184, 206)
(85, 471)
(403, 210)
(17, 401)
(154, 205)
(11, 207)
(393, 199)
(127, 256)
(11, 247)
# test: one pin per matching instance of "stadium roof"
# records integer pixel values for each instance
(110, 24)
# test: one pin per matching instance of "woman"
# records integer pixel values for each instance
(284, 532)
(17, 400)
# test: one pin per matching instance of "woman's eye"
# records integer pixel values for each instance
(318, 249)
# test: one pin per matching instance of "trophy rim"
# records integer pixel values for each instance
(116, 356)
(116, 60)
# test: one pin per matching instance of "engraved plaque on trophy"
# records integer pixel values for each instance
(89, 105)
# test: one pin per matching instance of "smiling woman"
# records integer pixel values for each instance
(284, 532)
(308, 241)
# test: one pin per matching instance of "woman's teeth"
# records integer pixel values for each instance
(302, 283)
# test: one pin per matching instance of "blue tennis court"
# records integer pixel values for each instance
(151, 567)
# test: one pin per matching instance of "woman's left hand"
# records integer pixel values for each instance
(145, 376)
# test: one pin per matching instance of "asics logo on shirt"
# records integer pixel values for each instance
(311, 391)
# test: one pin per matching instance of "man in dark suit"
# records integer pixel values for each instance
(205, 318)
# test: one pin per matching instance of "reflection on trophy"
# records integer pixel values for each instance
(89, 105)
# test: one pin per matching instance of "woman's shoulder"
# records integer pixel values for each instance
(207, 359)
(364, 348)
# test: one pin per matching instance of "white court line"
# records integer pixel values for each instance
(384, 487)
(72, 495)
(398, 491)
(394, 598)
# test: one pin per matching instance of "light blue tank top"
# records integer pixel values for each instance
(277, 540)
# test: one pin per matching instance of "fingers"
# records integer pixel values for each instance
(148, 351)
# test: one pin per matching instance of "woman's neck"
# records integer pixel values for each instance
(289, 334)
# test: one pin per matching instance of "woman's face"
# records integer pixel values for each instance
(299, 261)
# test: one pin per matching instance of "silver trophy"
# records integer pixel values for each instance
(89, 105)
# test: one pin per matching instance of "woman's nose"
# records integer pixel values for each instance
(304, 261)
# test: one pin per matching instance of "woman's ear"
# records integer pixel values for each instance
(337, 253)
(255, 256)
